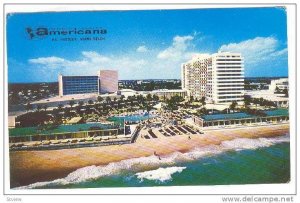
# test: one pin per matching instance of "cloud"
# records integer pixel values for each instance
(47, 60)
(257, 50)
(95, 57)
(142, 49)
(90, 63)
(282, 52)
(177, 51)
(130, 64)
(260, 54)
(54, 62)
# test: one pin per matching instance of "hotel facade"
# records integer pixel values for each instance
(218, 77)
(105, 82)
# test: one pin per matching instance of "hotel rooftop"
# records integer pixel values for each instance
(269, 113)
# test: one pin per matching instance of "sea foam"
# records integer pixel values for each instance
(142, 165)
(160, 174)
(246, 143)
(95, 172)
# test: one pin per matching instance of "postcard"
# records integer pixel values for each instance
(148, 98)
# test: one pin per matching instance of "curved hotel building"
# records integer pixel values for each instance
(218, 77)
(105, 82)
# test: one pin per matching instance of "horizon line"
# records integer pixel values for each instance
(146, 79)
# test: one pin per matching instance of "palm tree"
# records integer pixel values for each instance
(104, 108)
(28, 107)
(60, 107)
(119, 104)
(149, 97)
(80, 103)
(131, 105)
(202, 111)
(45, 107)
(191, 99)
(108, 100)
(233, 105)
(155, 98)
(247, 100)
(79, 106)
(148, 109)
(140, 98)
(261, 101)
(122, 97)
(71, 103)
(171, 105)
(99, 99)
(90, 102)
(203, 101)
(38, 107)
(133, 97)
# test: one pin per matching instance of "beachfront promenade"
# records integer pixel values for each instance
(32, 166)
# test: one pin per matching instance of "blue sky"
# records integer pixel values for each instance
(146, 44)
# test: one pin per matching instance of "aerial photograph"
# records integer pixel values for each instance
(148, 98)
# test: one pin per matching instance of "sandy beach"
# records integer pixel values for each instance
(28, 167)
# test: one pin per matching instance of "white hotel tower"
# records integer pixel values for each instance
(218, 77)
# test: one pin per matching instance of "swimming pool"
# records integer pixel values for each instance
(130, 118)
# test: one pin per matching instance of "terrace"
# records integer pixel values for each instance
(268, 116)
(71, 135)
(71, 143)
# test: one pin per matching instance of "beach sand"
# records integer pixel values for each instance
(28, 167)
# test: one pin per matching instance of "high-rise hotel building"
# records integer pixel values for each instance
(105, 82)
(218, 77)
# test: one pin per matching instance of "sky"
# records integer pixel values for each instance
(144, 44)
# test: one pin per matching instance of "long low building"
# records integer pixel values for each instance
(167, 94)
(241, 118)
(28, 134)
(161, 93)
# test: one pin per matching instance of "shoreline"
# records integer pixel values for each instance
(27, 167)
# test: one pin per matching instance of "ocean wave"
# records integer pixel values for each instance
(95, 172)
(160, 174)
(244, 143)
(247, 143)
(200, 152)
(142, 164)
(275, 140)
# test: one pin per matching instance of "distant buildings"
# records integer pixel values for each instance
(279, 99)
(218, 77)
(277, 92)
(280, 84)
(161, 93)
(167, 94)
(105, 82)
(127, 92)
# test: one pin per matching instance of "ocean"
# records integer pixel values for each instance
(239, 161)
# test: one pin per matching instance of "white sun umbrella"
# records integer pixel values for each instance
(158, 106)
